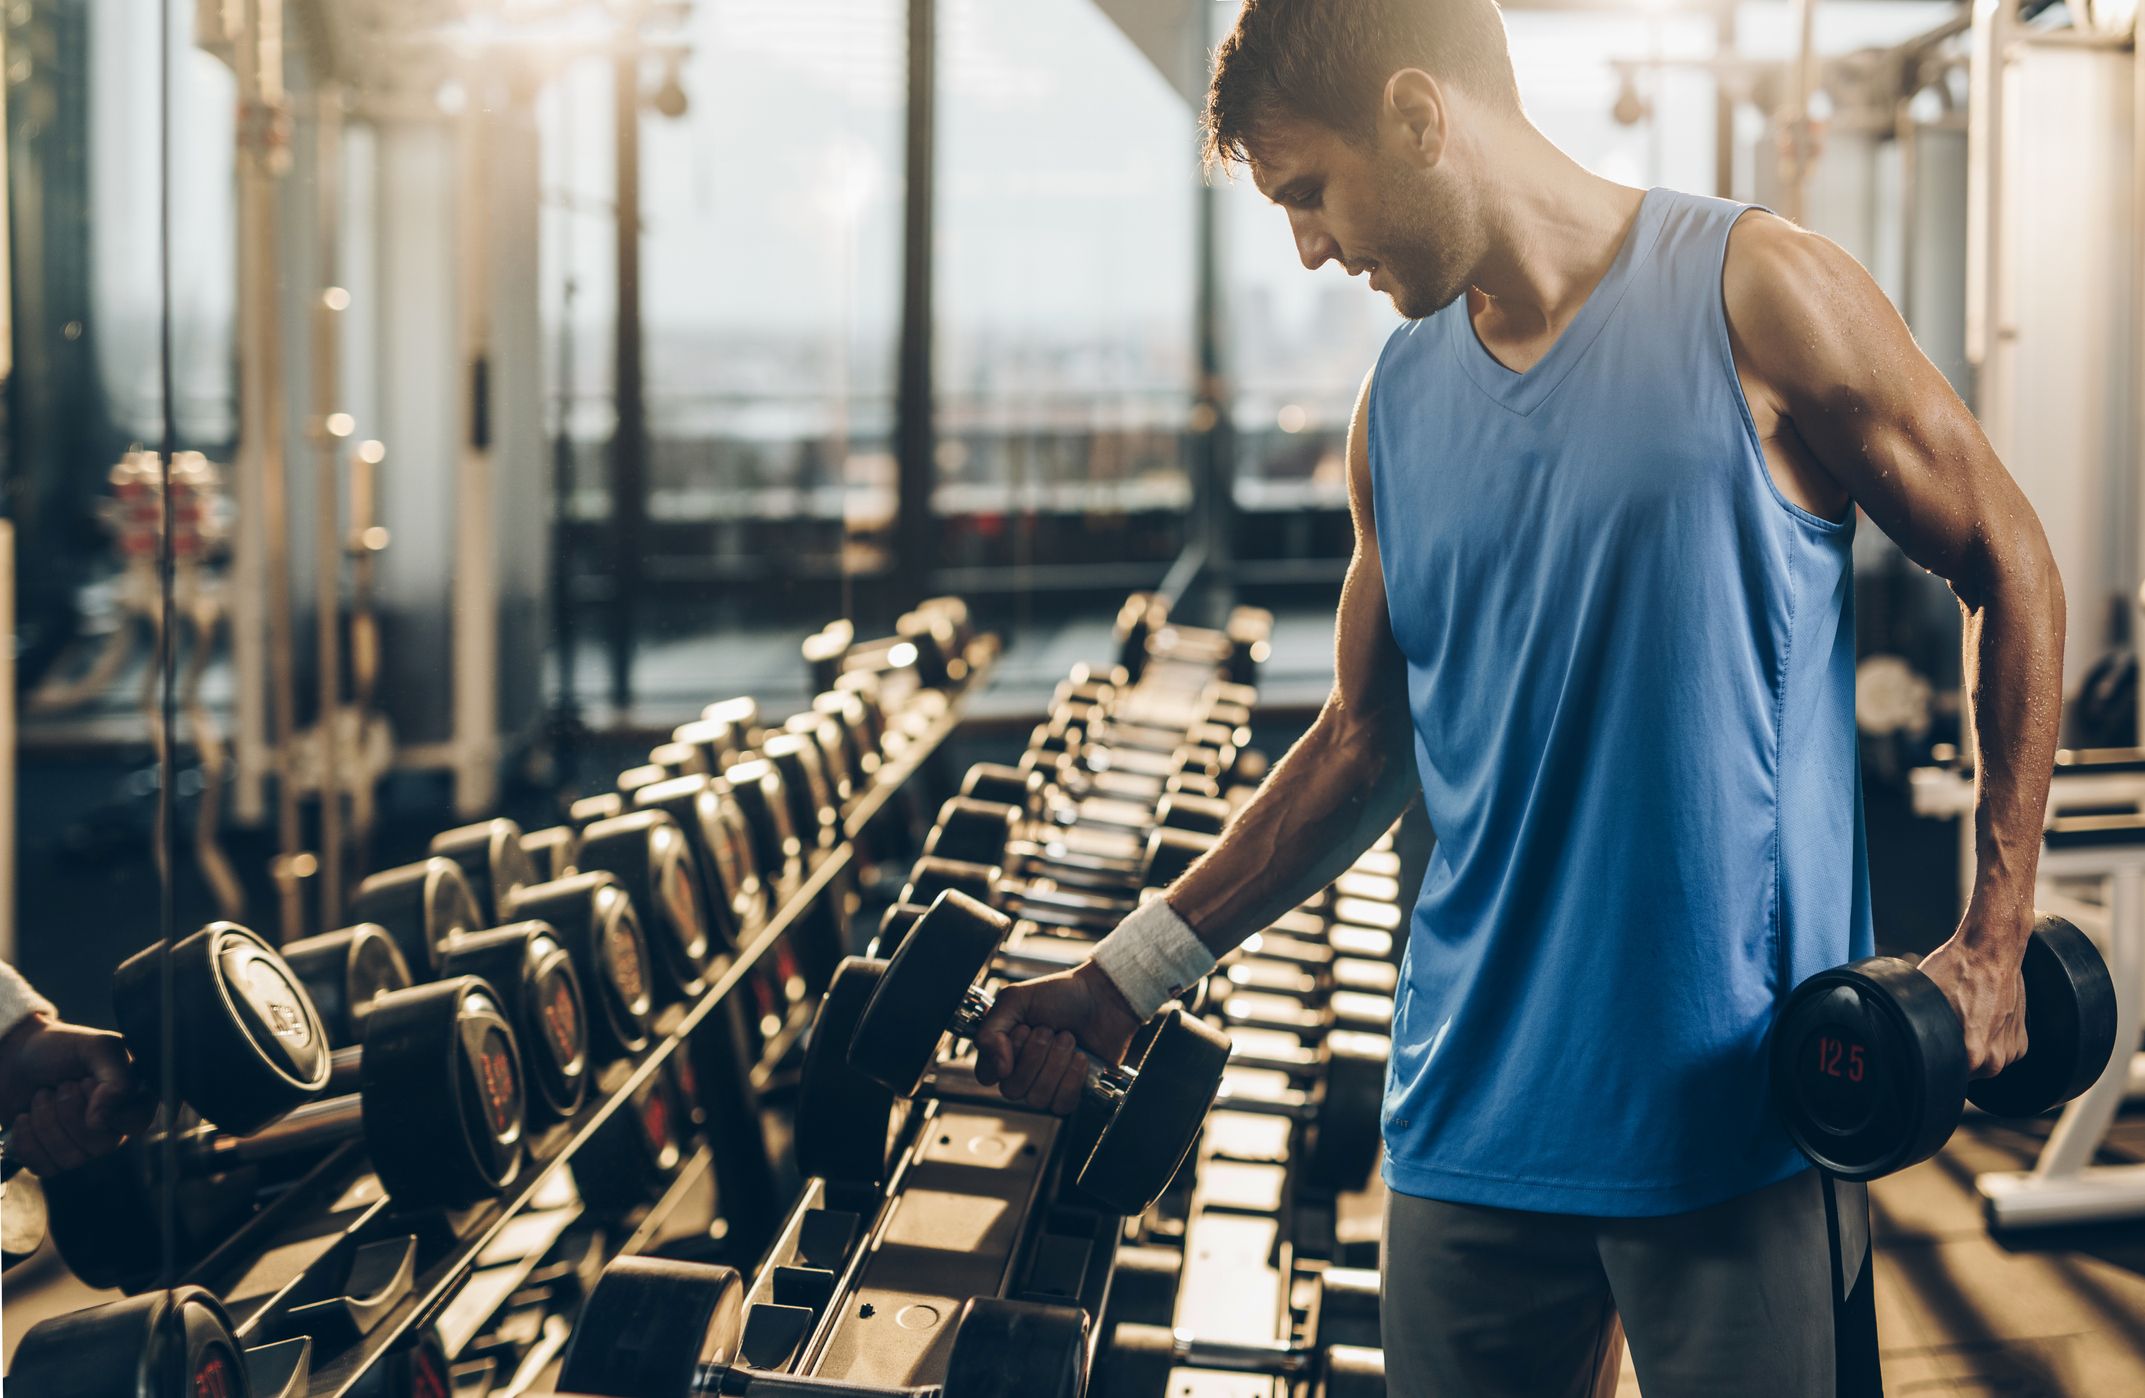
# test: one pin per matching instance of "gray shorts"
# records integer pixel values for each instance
(1767, 1294)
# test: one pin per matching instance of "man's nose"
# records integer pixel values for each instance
(1315, 248)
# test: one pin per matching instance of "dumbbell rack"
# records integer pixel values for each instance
(302, 1247)
(863, 1280)
(1245, 1235)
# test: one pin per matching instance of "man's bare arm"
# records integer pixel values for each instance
(1343, 783)
(1831, 355)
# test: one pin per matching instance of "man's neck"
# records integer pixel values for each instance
(1554, 229)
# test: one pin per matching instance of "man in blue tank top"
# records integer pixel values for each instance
(1604, 480)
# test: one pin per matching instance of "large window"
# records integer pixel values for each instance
(1066, 204)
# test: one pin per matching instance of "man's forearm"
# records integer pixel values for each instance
(2014, 682)
(1339, 788)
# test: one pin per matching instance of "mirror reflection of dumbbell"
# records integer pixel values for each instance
(164, 1344)
(1144, 1345)
(878, 1034)
(180, 1343)
(348, 971)
(439, 1100)
(654, 1328)
(1869, 1067)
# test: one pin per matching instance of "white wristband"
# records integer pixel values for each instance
(1152, 956)
(17, 1000)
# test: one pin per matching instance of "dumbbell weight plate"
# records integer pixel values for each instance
(1159, 1117)
(637, 1150)
(441, 1079)
(165, 1342)
(1137, 1359)
(2070, 1025)
(844, 1122)
(1170, 852)
(492, 857)
(528, 965)
(649, 856)
(762, 798)
(1026, 1348)
(1348, 1304)
(1868, 1067)
(933, 876)
(695, 804)
(345, 971)
(973, 831)
(897, 1035)
(596, 923)
(1143, 1287)
(650, 1324)
(250, 1045)
(1354, 1371)
(421, 905)
(551, 853)
(1347, 1102)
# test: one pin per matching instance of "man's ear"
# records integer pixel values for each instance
(1414, 113)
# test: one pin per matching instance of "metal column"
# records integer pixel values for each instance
(629, 447)
(914, 431)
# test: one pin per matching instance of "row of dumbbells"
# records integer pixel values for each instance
(882, 1026)
(476, 996)
(876, 1041)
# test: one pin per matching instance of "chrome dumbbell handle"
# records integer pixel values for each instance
(1109, 1079)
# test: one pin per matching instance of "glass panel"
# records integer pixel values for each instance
(1065, 273)
(770, 274)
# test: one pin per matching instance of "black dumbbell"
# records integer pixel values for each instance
(1869, 1059)
(349, 970)
(164, 1344)
(494, 858)
(1333, 1085)
(420, 905)
(1139, 1357)
(551, 851)
(439, 1100)
(633, 1155)
(1167, 854)
(1144, 1120)
(654, 1328)
(654, 862)
(762, 797)
(814, 812)
(722, 851)
(597, 924)
(981, 831)
(835, 722)
(715, 739)
(864, 688)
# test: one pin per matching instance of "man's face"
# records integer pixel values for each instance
(1373, 207)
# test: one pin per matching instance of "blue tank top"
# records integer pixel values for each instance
(1631, 669)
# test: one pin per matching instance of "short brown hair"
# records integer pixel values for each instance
(1329, 60)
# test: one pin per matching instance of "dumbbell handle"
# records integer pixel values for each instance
(1109, 1079)
(713, 1379)
(1274, 1357)
(325, 1120)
